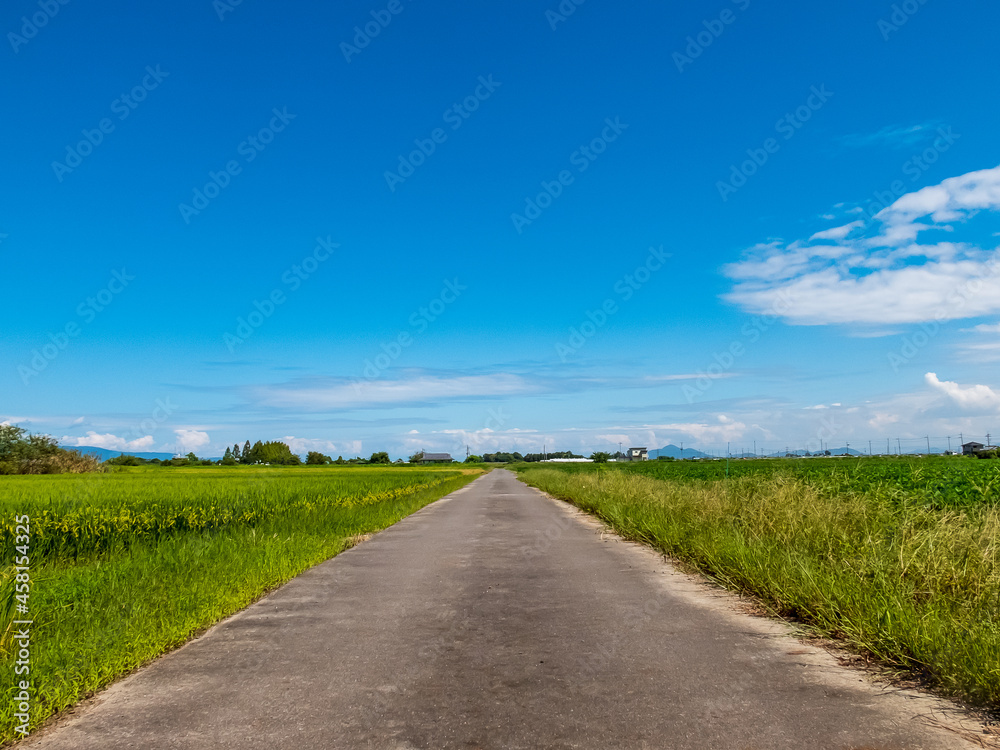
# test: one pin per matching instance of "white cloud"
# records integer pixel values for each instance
(984, 328)
(385, 392)
(78, 421)
(882, 419)
(689, 376)
(837, 233)
(479, 441)
(974, 398)
(894, 136)
(885, 279)
(726, 429)
(304, 445)
(109, 442)
(189, 441)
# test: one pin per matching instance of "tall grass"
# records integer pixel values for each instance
(103, 609)
(915, 585)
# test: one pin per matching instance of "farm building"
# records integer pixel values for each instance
(971, 447)
(436, 458)
(637, 454)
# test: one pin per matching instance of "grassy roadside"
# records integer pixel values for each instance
(914, 585)
(100, 616)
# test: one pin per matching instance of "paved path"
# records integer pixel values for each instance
(498, 618)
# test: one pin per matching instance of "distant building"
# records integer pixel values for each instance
(971, 447)
(436, 458)
(637, 454)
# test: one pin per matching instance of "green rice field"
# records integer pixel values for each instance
(128, 564)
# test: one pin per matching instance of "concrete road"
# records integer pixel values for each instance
(500, 618)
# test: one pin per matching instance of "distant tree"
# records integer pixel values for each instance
(379, 458)
(229, 459)
(503, 458)
(416, 458)
(273, 452)
(827, 453)
(236, 451)
(245, 457)
(473, 459)
(192, 459)
(125, 460)
(600, 457)
(315, 458)
(340, 460)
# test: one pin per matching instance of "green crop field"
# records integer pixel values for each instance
(899, 558)
(126, 565)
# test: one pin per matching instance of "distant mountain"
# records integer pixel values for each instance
(833, 452)
(104, 454)
(674, 452)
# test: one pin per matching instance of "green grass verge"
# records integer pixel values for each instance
(101, 616)
(915, 585)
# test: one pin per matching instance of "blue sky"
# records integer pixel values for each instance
(501, 226)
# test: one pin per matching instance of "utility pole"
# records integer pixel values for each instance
(869, 447)
(682, 450)
(989, 442)
(949, 443)
(899, 450)
(466, 451)
(888, 450)
(928, 444)
(755, 449)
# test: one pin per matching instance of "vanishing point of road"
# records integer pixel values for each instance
(500, 618)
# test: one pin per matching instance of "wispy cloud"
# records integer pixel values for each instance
(419, 389)
(891, 136)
